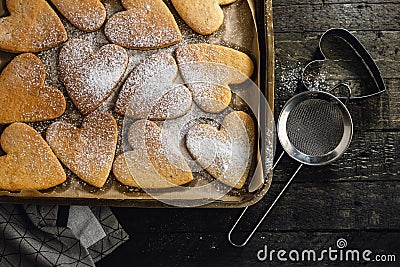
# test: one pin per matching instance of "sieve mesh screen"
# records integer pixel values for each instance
(315, 127)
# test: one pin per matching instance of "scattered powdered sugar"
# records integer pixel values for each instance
(210, 97)
(226, 154)
(45, 37)
(23, 96)
(209, 147)
(209, 69)
(88, 151)
(91, 77)
(226, 65)
(42, 31)
(50, 61)
(149, 161)
(288, 82)
(173, 104)
(150, 92)
(143, 25)
(30, 163)
(175, 131)
(86, 15)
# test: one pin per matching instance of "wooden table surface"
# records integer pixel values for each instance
(356, 198)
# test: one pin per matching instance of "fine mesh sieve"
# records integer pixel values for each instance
(309, 130)
(314, 128)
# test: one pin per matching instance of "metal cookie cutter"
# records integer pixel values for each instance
(341, 54)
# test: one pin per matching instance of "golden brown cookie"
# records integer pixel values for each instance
(31, 27)
(23, 95)
(209, 69)
(87, 151)
(90, 77)
(29, 162)
(204, 17)
(226, 154)
(146, 24)
(153, 162)
(86, 15)
(149, 92)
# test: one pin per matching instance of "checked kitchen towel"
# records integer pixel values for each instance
(33, 235)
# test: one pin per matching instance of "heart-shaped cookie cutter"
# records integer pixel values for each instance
(377, 86)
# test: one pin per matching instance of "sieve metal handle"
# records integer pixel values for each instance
(265, 214)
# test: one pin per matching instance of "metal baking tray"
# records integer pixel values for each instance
(248, 27)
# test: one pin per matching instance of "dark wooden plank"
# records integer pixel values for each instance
(300, 18)
(372, 156)
(203, 249)
(294, 51)
(376, 113)
(321, 205)
(289, 3)
(305, 207)
(379, 2)
(379, 112)
(301, 47)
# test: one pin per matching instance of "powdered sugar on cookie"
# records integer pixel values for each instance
(31, 27)
(204, 17)
(87, 151)
(226, 154)
(149, 91)
(209, 69)
(87, 15)
(91, 77)
(150, 164)
(146, 24)
(23, 95)
(29, 162)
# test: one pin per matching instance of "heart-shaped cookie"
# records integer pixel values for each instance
(31, 27)
(23, 95)
(226, 154)
(153, 162)
(343, 60)
(146, 24)
(204, 17)
(209, 69)
(86, 15)
(87, 151)
(88, 76)
(149, 92)
(29, 162)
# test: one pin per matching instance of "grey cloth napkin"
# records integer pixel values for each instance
(85, 225)
(33, 235)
